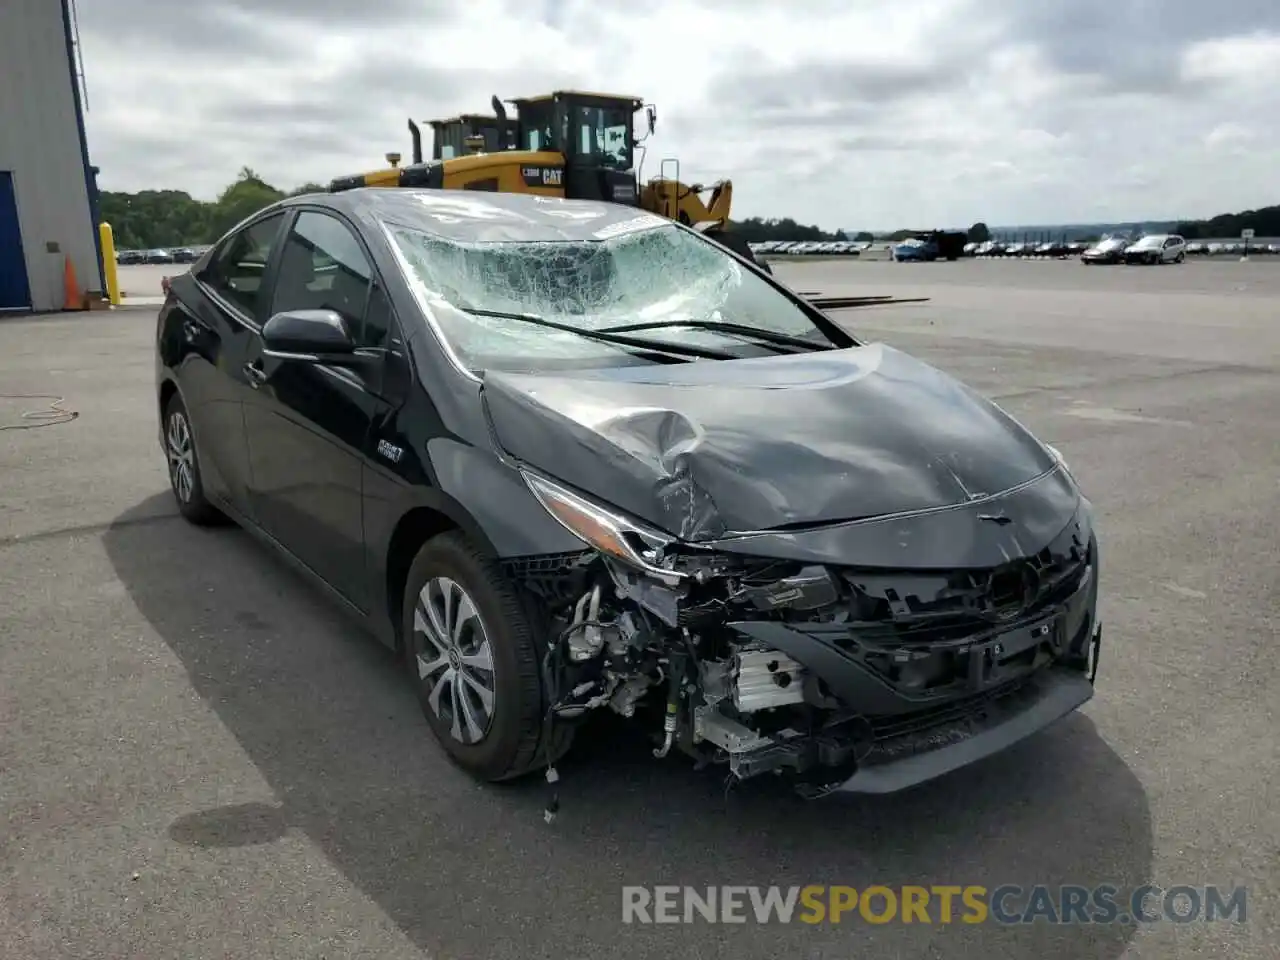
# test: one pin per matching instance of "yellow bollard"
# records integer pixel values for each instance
(109, 263)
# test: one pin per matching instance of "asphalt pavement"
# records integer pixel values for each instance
(200, 758)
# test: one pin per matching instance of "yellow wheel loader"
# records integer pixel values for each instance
(563, 144)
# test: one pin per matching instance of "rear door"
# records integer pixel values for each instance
(308, 422)
(219, 312)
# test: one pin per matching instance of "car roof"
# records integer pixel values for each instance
(476, 217)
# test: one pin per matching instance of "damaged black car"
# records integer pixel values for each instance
(570, 459)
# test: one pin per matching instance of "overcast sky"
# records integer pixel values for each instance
(874, 113)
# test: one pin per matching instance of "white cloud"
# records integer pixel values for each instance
(1248, 61)
(1234, 137)
(876, 114)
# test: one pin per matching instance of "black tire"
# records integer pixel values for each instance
(1179, 258)
(187, 484)
(514, 741)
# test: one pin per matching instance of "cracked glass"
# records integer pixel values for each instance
(641, 271)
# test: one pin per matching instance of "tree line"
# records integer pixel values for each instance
(173, 218)
(757, 229)
(160, 219)
(1265, 222)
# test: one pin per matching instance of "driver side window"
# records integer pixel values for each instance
(323, 267)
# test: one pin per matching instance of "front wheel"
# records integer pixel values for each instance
(471, 645)
(1179, 258)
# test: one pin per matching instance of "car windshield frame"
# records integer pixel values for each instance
(650, 272)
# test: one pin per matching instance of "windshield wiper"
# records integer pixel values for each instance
(605, 336)
(733, 329)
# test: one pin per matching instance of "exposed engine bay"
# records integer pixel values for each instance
(807, 671)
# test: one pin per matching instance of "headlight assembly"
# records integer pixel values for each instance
(617, 536)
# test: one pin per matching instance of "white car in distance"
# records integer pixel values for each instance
(1156, 248)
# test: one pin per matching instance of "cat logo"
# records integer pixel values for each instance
(542, 176)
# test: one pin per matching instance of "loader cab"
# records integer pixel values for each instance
(594, 133)
(450, 137)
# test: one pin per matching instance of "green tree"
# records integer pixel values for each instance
(243, 198)
(1265, 222)
(755, 229)
(979, 233)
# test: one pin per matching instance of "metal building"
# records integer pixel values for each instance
(47, 188)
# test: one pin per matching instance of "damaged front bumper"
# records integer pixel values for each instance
(1001, 721)
(818, 665)
(894, 752)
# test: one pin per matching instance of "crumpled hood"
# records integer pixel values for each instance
(704, 450)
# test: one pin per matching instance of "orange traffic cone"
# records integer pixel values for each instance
(74, 299)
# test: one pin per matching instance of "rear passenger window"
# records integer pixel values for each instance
(322, 267)
(237, 270)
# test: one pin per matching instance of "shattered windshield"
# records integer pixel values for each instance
(651, 274)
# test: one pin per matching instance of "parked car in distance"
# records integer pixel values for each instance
(1106, 250)
(915, 249)
(1157, 248)
(158, 256)
(184, 255)
(570, 457)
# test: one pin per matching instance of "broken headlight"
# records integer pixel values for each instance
(612, 533)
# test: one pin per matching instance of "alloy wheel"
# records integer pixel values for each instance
(454, 659)
(181, 457)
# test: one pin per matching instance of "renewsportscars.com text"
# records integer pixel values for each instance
(935, 904)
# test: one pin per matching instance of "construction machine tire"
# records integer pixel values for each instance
(734, 243)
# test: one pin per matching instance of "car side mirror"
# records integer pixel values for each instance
(307, 335)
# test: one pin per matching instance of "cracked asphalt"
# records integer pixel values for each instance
(200, 758)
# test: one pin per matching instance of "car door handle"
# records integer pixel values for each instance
(257, 376)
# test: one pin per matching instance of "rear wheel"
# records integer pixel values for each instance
(184, 466)
(471, 645)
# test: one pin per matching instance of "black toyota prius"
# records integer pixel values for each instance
(569, 457)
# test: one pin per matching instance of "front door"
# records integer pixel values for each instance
(308, 423)
(15, 292)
